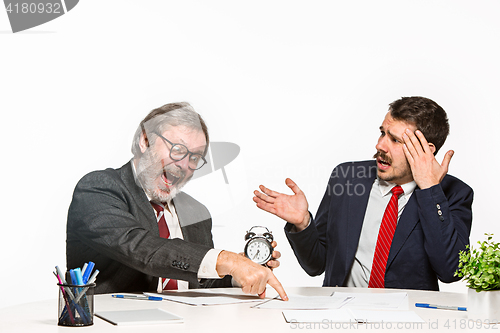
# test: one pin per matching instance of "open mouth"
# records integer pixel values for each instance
(170, 179)
(383, 164)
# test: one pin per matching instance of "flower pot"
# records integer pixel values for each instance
(483, 306)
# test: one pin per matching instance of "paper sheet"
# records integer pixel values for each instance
(300, 302)
(139, 317)
(205, 297)
(375, 300)
(345, 315)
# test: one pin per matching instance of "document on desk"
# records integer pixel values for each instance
(205, 297)
(300, 302)
(139, 317)
(397, 300)
(346, 315)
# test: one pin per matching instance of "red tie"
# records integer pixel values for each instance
(168, 284)
(384, 240)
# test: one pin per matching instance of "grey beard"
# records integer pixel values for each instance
(147, 173)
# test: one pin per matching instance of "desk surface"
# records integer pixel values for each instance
(41, 316)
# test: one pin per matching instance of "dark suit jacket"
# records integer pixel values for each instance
(112, 223)
(433, 228)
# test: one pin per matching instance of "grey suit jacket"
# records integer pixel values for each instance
(111, 222)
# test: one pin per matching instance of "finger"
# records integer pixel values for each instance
(266, 207)
(274, 244)
(414, 140)
(272, 264)
(423, 141)
(269, 192)
(446, 160)
(276, 254)
(262, 295)
(273, 282)
(408, 155)
(263, 197)
(410, 145)
(291, 184)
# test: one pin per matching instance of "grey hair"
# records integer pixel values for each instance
(165, 117)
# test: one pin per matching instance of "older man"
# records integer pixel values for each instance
(141, 231)
(398, 221)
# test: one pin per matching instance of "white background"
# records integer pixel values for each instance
(300, 86)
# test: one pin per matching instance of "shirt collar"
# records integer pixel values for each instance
(386, 187)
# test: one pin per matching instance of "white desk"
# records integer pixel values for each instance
(40, 317)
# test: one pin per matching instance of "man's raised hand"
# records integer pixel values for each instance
(291, 208)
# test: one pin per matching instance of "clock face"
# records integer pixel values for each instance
(258, 250)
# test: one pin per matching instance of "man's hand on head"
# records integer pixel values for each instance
(426, 170)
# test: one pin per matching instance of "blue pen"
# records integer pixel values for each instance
(87, 272)
(74, 280)
(73, 277)
(78, 275)
(146, 298)
(443, 307)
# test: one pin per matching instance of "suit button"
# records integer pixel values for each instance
(186, 266)
(438, 206)
(440, 213)
(174, 263)
(441, 218)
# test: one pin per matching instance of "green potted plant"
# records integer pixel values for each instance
(480, 268)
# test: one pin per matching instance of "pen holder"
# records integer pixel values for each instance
(76, 305)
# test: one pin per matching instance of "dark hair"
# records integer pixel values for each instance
(426, 115)
(168, 115)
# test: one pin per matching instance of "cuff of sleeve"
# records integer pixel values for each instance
(208, 265)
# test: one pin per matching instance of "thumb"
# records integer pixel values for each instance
(291, 184)
(447, 158)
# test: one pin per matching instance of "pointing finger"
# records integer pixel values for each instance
(273, 282)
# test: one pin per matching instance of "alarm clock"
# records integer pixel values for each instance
(258, 247)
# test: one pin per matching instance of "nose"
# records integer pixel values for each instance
(184, 163)
(381, 144)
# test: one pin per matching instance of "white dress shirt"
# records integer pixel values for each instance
(380, 195)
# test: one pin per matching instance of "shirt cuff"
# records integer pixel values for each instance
(208, 265)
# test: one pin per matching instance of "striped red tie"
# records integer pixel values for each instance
(384, 240)
(168, 284)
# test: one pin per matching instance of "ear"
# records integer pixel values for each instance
(433, 148)
(143, 142)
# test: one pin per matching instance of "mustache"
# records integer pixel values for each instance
(382, 156)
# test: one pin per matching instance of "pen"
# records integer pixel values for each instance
(88, 270)
(68, 308)
(91, 280)
(147, 298)
(444, 307)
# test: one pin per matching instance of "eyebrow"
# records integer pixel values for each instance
(390, 134)
(197, 150)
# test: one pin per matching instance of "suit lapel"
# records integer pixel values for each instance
(139, 196)
(406, 224)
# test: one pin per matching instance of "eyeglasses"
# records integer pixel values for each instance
(179, 151)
